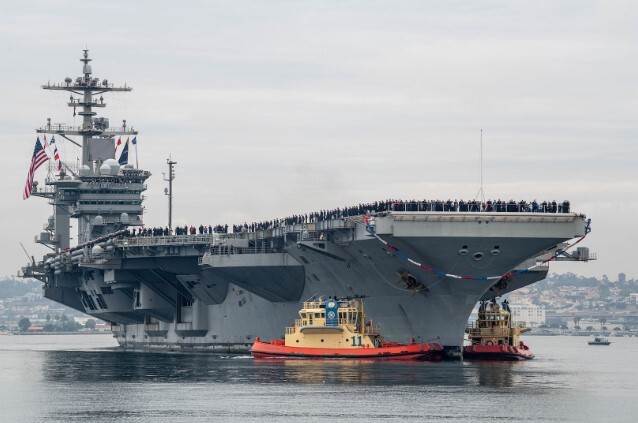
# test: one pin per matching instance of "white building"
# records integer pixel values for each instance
(531, 314)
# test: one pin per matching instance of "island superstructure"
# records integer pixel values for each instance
(422, 267)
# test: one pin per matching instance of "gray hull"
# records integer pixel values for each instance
(219, 291)
(220, 298)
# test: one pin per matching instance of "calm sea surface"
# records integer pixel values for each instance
(85, 378)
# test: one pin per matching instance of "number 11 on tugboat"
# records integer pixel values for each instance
(337, 328)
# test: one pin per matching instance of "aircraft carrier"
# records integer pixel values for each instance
(422, 265)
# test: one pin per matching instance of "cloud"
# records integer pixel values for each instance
(283, 107)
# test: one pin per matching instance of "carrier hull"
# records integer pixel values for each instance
(423, 266)
(216, 300)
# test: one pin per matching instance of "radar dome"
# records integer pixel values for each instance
(115, 166)
(98, 220)
(124, 217)
(85, 170)
(97, 250)
(105, 169)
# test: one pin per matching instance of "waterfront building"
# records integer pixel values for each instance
(533, 315)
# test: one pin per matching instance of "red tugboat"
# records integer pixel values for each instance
(494, 337)
(337, 328)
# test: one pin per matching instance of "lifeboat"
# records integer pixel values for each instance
(494, 336)
(337, 328)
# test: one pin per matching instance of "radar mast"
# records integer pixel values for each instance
(87, 88)
(104, 195)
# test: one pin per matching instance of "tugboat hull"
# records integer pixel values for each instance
(497, 352)
(394, 352)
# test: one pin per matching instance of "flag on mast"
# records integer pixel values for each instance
(38, 159)
(118, 143)
(134, 142)
(56, 155)
(124, 156)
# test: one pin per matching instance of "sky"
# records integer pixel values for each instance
(274, 108)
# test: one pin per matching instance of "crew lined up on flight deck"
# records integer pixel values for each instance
(497, 206)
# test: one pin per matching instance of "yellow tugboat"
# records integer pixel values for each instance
(494, 337)
(337, 328)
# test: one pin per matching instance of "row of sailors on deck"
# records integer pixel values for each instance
(497, 206)
(413, 205)
(180, 230)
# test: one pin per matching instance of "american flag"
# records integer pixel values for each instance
(38, 159)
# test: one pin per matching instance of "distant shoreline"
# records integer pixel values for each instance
(614, 334)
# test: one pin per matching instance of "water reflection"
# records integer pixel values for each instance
(112, 366)
(565, 383)
(496, 374)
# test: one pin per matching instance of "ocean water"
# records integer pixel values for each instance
(85, 378)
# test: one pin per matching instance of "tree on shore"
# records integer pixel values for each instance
(69, 325)
(90, 324)
(590, 328)
(602, 321)
(24, 324)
